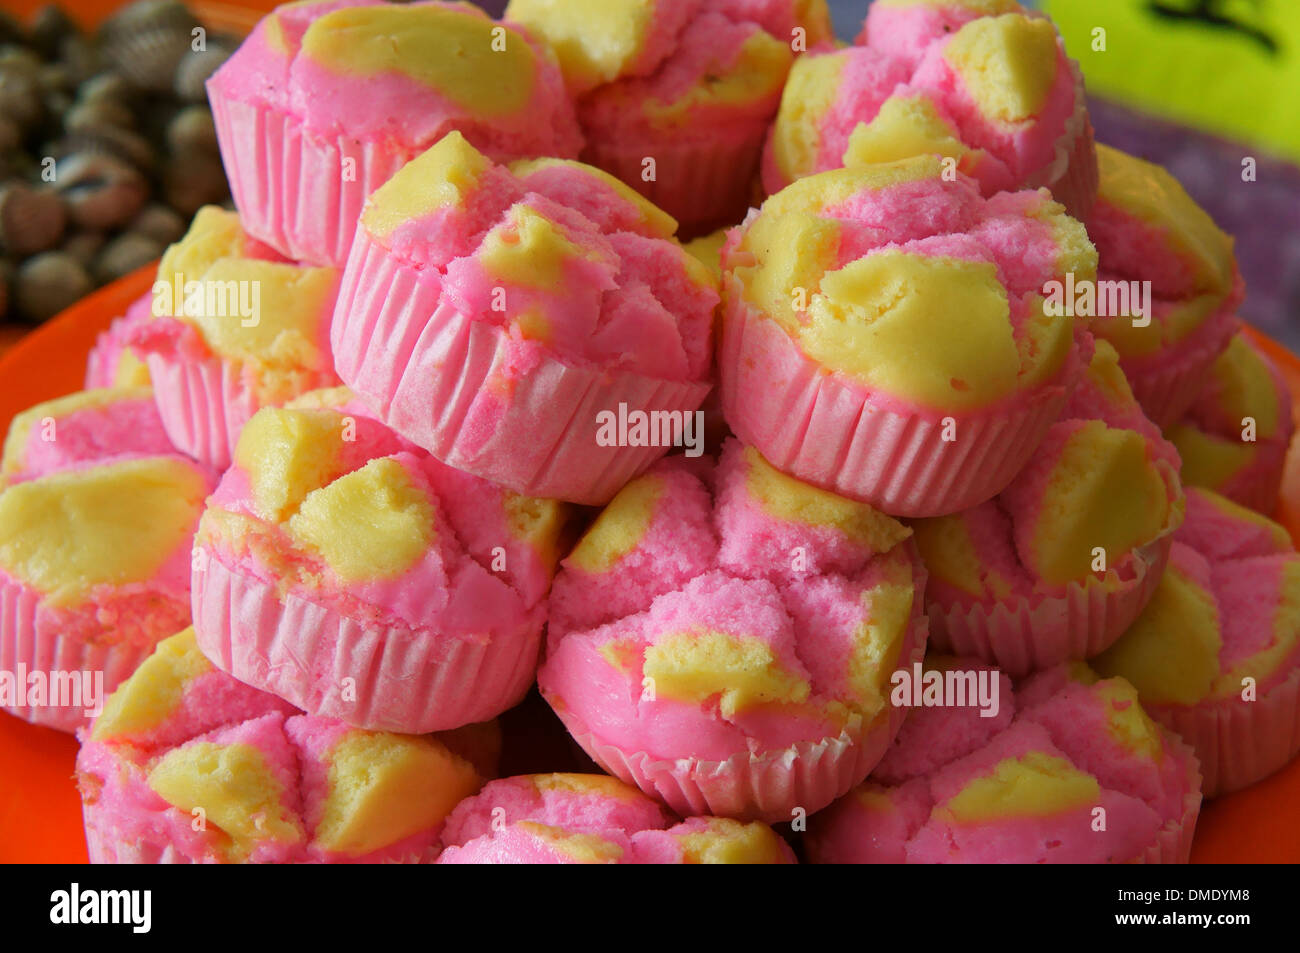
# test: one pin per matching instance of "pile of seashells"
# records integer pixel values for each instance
(107, 148)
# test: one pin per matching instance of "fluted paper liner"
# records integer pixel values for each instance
(55, 651)
(1023, 634)
(404, 681)
(767, 786)
(435, 376)
(828, 431)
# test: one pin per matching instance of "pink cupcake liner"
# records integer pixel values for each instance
(1073, 177)
(289, 184)
(826, 431)
(703, 184)
(21, 643)
(1238, 742)
(1167, 384)
(1032, 633)
(1173, 843)
(766, 787)
(431, 371)
(204, 404)
(404, 681)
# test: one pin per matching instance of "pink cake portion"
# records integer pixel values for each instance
(1234, 438)
(496, 316)
(383, 587)
(717, 622)
(1228, 609)
(574, 818)
(1078, 774)
(111, 362)
(187, 765)
(81, 428)
(987, 85)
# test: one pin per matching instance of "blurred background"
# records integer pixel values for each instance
(107, 148)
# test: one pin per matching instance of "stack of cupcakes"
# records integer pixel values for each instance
(865, 420)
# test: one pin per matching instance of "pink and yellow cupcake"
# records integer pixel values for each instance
(885, 334)
(983, 83)
(188, 765)
(520, 323)
(326, 100)
(1157, 246)
(97, 519)
(348, 572)
(724, 637)
(234, 329)
(1234, 438)
(675, 97)
(1216, 654)
(1071, 770)
(1059, 564)
(593, 819)
(112, 361)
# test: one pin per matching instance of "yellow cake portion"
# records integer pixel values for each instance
(697, 665)
(785, 498)
(1007, 63)
(620, 527)
(1149, 193)
(1171, 653)
(384, 788)
(1105, 491)
(236, 789)
(373, 523)
(67, 533)
(596, 41)
(151, 694)
(445, 49)
(728, 841)
(810, 90)
(1035, 784)
(288, 454)
(443, 176)
(905, 126)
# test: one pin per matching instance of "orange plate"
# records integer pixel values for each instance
(40, 814)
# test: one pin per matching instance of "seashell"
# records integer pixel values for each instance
(159, 221)
(193, 180)
(106, 140)
(49, 28)
(31, 220)
(105, 86)
(146, 40)
(85, 246)
(11, 137)
(20, 95)
(92, 115)
(49, 282)
(197, 65)
(100, 191)
(124, 254)
(192, 130)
